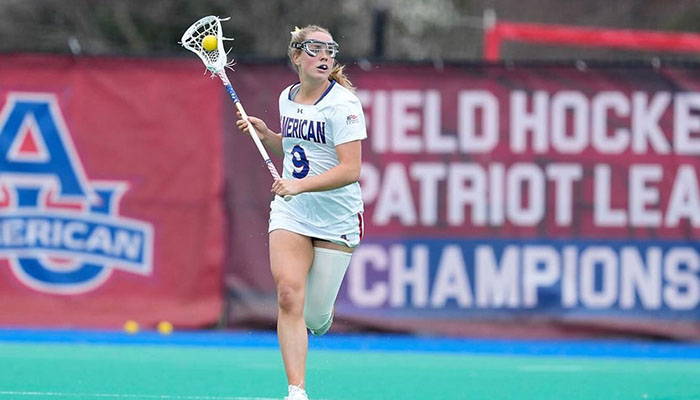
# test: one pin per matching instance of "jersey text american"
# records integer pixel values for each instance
(313, 131)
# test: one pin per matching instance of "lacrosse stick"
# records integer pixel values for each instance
(198, 39)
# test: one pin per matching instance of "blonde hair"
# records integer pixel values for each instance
(338, 71)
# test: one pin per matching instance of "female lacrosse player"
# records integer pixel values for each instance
(313, 235)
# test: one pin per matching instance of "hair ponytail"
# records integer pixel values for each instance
(338, 75)
(338, 71)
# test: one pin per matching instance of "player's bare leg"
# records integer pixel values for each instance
(291, 256)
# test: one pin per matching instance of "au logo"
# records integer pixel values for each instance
(60, 232)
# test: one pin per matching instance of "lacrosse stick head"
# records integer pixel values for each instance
(214, 60)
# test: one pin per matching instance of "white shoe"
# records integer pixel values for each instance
(296, 393)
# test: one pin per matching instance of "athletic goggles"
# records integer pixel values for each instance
(313, 47)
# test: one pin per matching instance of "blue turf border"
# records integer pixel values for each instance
(354, 342)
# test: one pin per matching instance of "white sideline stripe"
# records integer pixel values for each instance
(557, 368)
(130, 396)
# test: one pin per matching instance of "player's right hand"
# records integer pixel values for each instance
(258, 124)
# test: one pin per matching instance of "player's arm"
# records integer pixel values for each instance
(270, 139)
(346, 172)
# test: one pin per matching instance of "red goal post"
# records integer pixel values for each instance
(629, 39)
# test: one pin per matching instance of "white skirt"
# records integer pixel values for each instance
(346, 233)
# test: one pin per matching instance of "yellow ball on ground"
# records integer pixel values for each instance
(209, 42)
(131, 327)
(165, 328)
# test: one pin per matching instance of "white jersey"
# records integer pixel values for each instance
(309, 136)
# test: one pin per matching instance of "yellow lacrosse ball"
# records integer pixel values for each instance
(209, 43)
(165, 328)
(131, 327)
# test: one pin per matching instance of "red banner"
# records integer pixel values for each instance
(111, 182)
(495, 197)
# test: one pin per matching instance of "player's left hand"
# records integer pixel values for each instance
(283, 187)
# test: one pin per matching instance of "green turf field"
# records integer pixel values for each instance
(100, 371)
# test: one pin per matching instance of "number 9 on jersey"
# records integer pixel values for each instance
(301, 163)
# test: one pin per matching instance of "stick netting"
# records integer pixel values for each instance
(214, 60)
